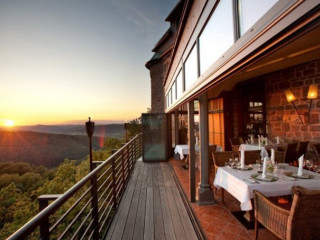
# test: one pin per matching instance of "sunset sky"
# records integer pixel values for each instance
(64, 60)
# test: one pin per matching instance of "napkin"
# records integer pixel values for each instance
(272, 156)
(278, 140)
(259, 140)
(300, 170)
(264, 169)
(251, 139)
(242, 159)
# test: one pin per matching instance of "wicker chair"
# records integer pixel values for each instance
(235, 144)
(251, 157)
(219, 159)
(290, 154)
(302, 221)
(279, 156)
(316, 149)
(302, 148)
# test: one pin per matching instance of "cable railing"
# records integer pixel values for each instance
(85, 211)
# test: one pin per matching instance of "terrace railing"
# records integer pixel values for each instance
(85, 211)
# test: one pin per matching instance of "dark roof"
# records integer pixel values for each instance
(162, 39)
(176, 12)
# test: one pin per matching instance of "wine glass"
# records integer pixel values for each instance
(237, 162)
(309, 164)
(231, 162)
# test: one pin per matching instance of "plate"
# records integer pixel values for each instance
(282, 165)
(246, 168)
(294, 174)
(268, 178)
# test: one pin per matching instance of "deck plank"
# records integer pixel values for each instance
(187, 225)
(151, 207)
(149, 226)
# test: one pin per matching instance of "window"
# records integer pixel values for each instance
(250, 11)
(179, 85)
(216, 122)
(191, 68)
(217, 36)
(173, 88)
(170, 97)
(167, 100)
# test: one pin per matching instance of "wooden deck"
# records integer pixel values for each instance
(152, 207)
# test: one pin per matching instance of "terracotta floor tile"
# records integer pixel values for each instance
(217, 221)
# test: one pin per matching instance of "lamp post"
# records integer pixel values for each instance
(90, 130)
(94, 188)
(126, 129)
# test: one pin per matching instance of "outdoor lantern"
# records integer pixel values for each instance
(289, 95)
(90, 130)
(312, 94)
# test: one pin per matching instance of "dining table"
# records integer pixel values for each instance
(240, 184)
(183, 150)
(252, 147)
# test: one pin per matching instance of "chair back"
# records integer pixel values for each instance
(291, 153)
(304, 217)
(316, 149)
(279, 156)
(219, 158)
(235, 141)
(302, 148)
(250, 157)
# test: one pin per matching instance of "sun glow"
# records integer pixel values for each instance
(9, 123)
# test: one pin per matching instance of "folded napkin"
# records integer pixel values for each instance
(278, 140)
(242, 159)
(300, 169)
(264, 169)
(272, 156)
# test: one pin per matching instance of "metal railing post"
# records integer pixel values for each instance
(44, 226)
(94, 206)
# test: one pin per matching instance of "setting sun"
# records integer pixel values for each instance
(9, 123)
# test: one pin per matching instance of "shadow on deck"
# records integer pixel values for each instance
(152, 207)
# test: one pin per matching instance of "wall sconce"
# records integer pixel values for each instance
(312, 94)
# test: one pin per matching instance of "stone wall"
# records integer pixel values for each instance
(158, 72)
(282, 119)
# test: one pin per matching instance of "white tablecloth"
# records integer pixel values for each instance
(232, 181)
(184, 150)
(251, 147)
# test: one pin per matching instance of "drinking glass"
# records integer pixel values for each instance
(231, 162)
(309, 164)
(226, 164)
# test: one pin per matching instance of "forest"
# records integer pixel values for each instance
(43, 149)
(25, 176)
(21, 183)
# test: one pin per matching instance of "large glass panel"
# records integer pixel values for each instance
(216, 122)
(154, 136)
(250, 11)
(191, 69)
(217, 36)
(174, 96)
(179, 85)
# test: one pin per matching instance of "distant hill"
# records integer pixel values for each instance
(43, 148)
(108, 130)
